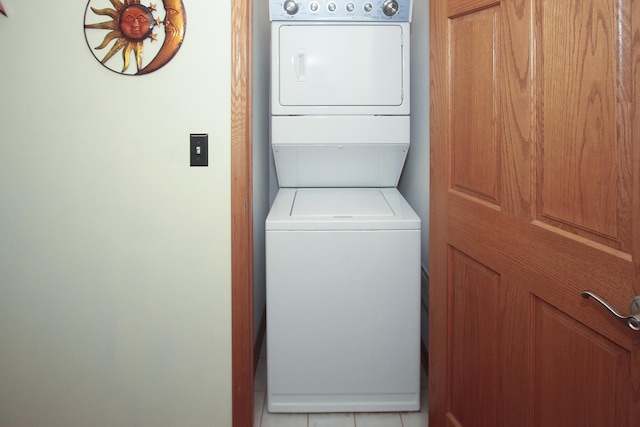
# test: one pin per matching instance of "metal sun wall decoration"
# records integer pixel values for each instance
(131, 30)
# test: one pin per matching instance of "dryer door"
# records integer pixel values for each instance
(340, 68)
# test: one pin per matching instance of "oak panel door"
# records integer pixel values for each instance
(535, 197)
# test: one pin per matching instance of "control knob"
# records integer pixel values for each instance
(390, 7)
(291, 7)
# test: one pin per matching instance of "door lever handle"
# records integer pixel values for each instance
(632, 321)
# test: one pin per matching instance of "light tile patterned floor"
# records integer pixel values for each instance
(262, 418)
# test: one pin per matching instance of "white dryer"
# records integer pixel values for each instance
(342, 244)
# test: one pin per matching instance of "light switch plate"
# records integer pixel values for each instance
(199, 149)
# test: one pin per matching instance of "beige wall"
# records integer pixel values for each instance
(114, 253)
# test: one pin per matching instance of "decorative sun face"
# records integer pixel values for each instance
(131, 30)
(136, 22)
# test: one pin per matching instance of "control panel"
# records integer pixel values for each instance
(341, 10)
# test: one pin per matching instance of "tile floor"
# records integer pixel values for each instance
(262, 418)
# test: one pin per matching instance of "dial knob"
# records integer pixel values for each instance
(350, 7)
(332, 7)
(291, 7)
(368, 7)
(390, 7)
(313, 6)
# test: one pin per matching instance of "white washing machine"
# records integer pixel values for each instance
(342, 244)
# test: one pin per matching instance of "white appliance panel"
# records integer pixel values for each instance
(339, 151)
(340, 68)
(339, 10)
(343, 129)
(341, 202)
(339, 65)
(380, 209)
(343, 320)
(338, 166)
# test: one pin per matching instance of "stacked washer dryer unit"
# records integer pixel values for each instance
(342, 244)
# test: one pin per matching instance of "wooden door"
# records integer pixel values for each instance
(535, 197)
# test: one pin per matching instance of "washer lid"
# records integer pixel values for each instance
(340, 202)
(341, 209)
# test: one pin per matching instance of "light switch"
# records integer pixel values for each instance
(199, 149)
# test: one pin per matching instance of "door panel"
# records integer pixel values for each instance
(594, 369)
(337, 65)
(584, 169)
(482, 335)
(535, 189)
(476, 166)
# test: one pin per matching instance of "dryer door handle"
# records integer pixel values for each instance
(300, 66)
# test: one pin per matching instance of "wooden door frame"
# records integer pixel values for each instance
(241, 215)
